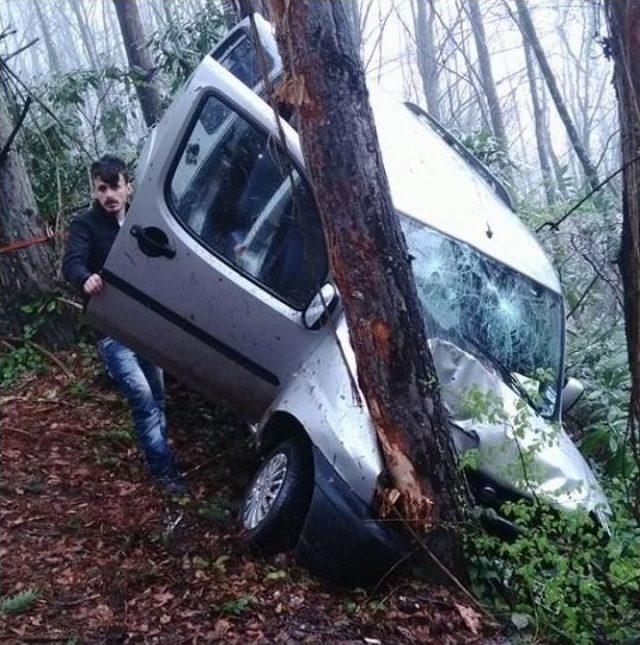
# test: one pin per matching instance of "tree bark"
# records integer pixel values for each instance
(369, 258)
(529, 32)
(139, 59)
(538, 120)
(624, 44)
(26, 275)
(426, 56)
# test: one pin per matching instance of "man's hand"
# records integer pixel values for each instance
(93, 285)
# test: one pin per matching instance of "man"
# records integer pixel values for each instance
(90, 239)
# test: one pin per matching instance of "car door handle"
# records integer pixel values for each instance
(153, 241)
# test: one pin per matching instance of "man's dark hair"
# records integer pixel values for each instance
(108, 169)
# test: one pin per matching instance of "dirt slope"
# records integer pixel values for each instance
(114, 561)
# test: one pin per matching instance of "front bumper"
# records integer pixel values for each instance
(340, 539)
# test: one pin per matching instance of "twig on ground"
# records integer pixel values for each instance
(7, 340)
(448, 573)
(70, 303)
(204, 464)
(77, 601)
(402, 560)
(22, 432)
(40, 401)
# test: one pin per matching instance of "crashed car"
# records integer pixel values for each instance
(220, 275)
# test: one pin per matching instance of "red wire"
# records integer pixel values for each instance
(23, 244)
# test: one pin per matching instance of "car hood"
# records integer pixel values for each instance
(521, 451)
(433, 184)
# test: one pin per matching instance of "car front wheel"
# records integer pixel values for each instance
(277, 500)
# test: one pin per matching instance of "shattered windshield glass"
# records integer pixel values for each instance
(490, 311)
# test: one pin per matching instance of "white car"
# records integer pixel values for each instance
(220, 275)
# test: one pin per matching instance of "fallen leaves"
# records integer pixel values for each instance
(81, 524)
(472, 619)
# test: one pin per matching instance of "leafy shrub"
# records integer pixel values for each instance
(563, 574)
(19, 359)
(20, 602)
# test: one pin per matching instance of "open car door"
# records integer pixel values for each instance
(221, 250)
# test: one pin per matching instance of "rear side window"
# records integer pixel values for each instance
(233, 188)
(240, 57)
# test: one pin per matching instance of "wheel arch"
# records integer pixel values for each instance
(281, 425)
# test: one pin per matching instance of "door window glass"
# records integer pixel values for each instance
(233, 188)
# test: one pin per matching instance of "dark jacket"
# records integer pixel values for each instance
(91, 236)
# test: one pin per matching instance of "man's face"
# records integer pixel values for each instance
(112, 196)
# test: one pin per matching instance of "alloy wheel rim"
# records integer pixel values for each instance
(265, 490)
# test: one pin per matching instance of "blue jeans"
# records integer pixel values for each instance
(143, 386)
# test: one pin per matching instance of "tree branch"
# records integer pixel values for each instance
(7, 146)
(554, 225)
(9, 31)
(582, 298)
(21, 49)
(44, 106)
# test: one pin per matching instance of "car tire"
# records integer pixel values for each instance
(276, 502)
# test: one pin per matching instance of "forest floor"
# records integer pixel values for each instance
(112, 560)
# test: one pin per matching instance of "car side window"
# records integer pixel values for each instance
(240, 57)
(233, 188)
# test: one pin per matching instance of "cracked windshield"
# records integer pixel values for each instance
(490, 311)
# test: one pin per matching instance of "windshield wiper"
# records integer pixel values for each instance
(507, 375)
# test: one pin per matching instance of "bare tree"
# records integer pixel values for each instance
(86, 34)
(424, 18)
(139, 59)
(529, 32)
(539, 123)
(624, 22)
(486, 73)
(45, 30)
(369, 257)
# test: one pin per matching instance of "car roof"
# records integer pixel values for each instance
(433, 182)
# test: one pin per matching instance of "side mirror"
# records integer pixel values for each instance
(571, 393)
(318, 310)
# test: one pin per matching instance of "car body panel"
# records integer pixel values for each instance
(519, 450)
(321, 397)
(229, 330)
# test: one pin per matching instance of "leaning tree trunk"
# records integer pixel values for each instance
(529, 32)
(45, 30)
(139, 59)
(624, 43)
(538, 120)
(486, 73)
(426, 56)
(26, 275)
(325, 80)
